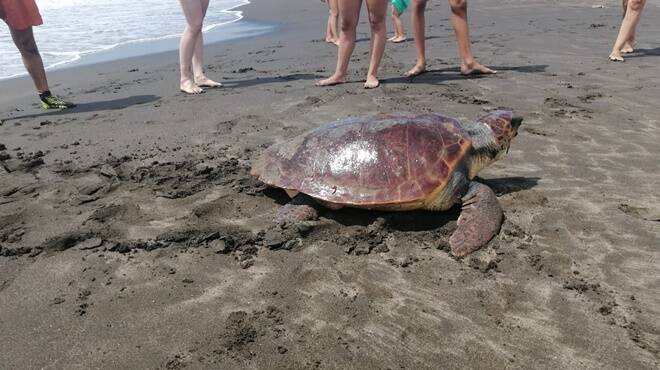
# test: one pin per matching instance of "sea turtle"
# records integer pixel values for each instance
(395, 162)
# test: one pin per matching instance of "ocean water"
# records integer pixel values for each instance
(74, 29)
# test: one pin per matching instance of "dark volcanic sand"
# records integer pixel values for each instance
(132, 236)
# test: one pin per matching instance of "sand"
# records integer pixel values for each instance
(132, 235)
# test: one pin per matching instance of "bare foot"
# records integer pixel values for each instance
(476, 69)
(397, 39)
(331, 81)
(616, 57)
(190, 87)
(417, 70)
(628, 47)
(332, 41)
(207, 82)
(372, 83)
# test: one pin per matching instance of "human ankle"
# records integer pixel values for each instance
(337, 76)
(43, 95)
(469, 64)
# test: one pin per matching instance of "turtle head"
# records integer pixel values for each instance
(491, 136)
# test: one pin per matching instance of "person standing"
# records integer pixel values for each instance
(625, 41)
(398, 7)
(191, 48)
(331, 32)
(21, 16)
(469, 65)
(349, 13)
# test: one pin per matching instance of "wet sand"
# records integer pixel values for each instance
(132, 235)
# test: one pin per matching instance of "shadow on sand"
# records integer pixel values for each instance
(408, 39)
(116, 104)
(412, 220)
(644, 53)
(508, 185)
(440, 75)
(434, 76)
(269, 80)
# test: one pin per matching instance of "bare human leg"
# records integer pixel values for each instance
(469, 66)
(399, 33)
(198, 57)
(628, 26)
(349, 14)
(417, 9)
(27, 46)
(629, 45)
(332, 35)
(328, 30)
(377, 13)
(194, 13)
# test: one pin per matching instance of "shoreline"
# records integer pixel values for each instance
(69, 77)
(214, 34)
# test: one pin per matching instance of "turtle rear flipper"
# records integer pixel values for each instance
(480, 220)
(301, 208)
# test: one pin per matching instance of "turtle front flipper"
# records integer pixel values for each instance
(301, 208)
(480, 220)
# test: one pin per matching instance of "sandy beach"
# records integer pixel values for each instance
(132, 235)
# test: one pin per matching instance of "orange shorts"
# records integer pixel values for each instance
(20, 14)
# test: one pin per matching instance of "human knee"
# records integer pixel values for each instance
(635, 5)
(26, 45)
(348, 25)
(458, 6)
(195, 27)
(418, 5)
(376, 22)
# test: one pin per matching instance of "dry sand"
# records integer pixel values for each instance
(132, 235)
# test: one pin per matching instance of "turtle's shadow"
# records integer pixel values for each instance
(400, 221)
(508, 185)
(411, 220)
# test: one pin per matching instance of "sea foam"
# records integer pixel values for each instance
(75, 28)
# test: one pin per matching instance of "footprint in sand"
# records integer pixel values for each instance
(648, 214)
